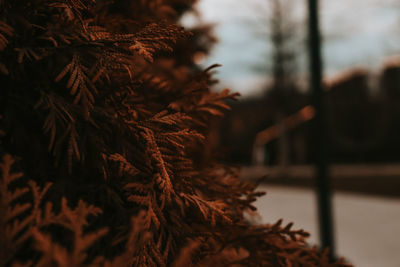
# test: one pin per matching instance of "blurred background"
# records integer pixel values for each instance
(262, 45)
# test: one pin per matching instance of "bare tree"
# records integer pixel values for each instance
(283, 35)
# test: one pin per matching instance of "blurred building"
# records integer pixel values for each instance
(363, 119)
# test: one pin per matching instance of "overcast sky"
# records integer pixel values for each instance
(356, 33)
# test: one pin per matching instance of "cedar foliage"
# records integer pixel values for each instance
(107, 128)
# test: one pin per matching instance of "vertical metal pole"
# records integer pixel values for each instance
(319, 132)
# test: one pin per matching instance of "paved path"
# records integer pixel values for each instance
(367, 227)
(382, 179)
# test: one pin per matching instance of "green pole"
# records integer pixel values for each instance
(320, 145)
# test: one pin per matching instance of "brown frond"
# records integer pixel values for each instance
(79, 83)
(124, 166)
(214, 104)
(5, 30)
(58, 115)
(17, 217)
(155, 37)
(209, 209)
(75, 220)
(162, 178)
(138, 237)
(72, 8)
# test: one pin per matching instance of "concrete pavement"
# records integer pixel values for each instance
(367, 228)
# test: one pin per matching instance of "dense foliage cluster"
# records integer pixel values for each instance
(106, 119)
